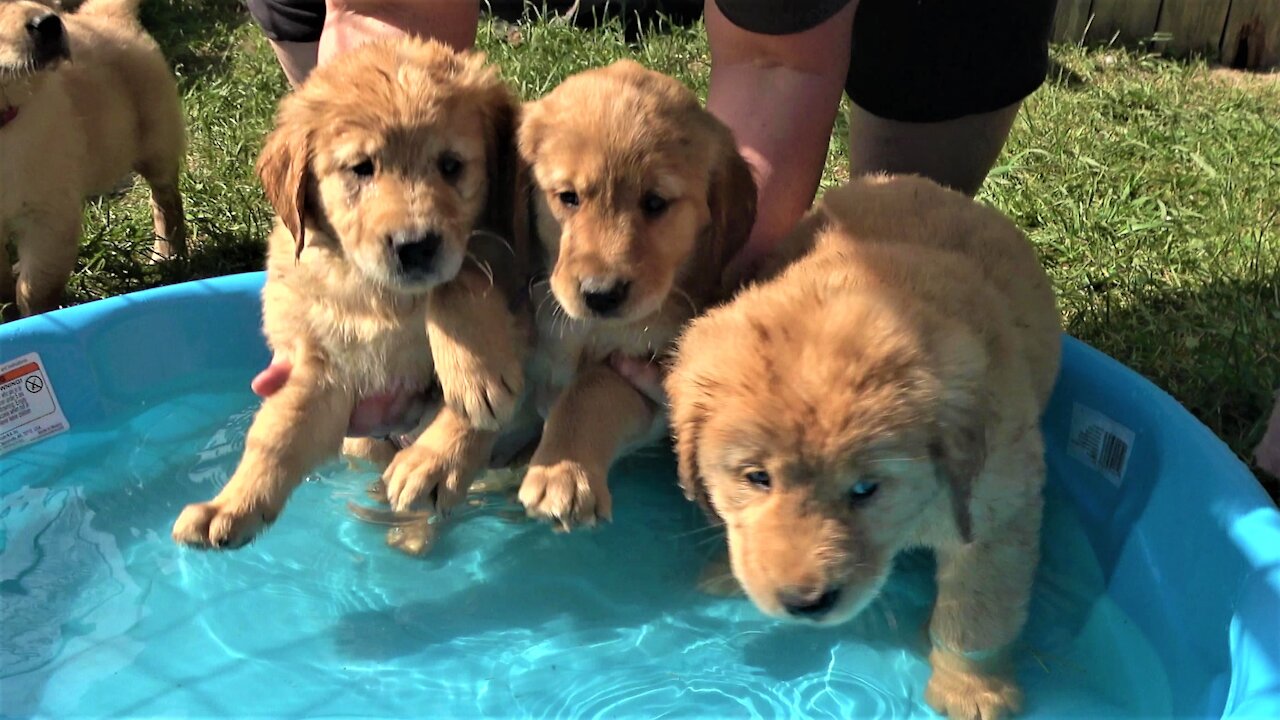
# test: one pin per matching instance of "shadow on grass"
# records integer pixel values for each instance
(193, 33)
(638, 17)
(1215, 348)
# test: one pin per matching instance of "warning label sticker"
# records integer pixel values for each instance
(29, 410)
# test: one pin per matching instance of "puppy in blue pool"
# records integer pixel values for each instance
(391, 170)
(882, 391)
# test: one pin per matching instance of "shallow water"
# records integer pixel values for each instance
(104, 616)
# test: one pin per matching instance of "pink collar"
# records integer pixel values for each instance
(8, 114)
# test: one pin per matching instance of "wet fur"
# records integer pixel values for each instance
(908, 336)
(83, 124)
(337, 300)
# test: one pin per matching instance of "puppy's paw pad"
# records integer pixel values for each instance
(567, 494)
(217, 526)
(972, 696)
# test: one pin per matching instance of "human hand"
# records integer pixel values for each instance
(644, 374)
(379, 415)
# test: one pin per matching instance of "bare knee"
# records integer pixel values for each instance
(956, 153)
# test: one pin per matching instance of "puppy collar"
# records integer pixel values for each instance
(8, 114)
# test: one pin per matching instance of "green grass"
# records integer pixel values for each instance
(1151, 187)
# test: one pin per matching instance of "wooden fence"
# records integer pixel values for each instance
(1236, 33)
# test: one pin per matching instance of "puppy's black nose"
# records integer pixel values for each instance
(603, 296)
(47, 37)
(811, 603)
(417, 253)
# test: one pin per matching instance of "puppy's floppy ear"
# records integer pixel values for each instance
(731, 200)
(284, 169)
(502, 116)
(688, 395)
(507, 206)
(959, 445)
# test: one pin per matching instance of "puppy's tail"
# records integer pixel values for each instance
(118, 9)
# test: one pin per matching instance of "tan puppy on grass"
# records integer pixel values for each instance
(386, 169)
(85, 99)
(882, 392)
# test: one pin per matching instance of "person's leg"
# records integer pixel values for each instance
(937, 84)
(957, 153)
(297, 59)
(293, 28)
(350, 22)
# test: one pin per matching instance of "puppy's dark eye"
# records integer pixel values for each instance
(450, 166)
(568, 198)
(653, 204)
(759, 478)
(363, 169)
(862, 491)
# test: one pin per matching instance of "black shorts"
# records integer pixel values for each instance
(925, 60)
(298, 21)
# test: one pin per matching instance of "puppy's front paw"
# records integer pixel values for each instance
(420, 476)
(221, 525)
(485, 393)
(961, 690)
(566, 493)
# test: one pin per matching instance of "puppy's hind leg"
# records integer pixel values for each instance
(166, 207)
(47, 246)
(160, 159)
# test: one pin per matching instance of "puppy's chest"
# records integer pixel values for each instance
(564, 345)
(40, 157)
(371, 358)
(366, 346)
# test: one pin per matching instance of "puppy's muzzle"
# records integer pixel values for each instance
(48, 39)
(603, 296)
(416, 254)
(809, 603)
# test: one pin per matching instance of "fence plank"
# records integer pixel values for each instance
(1131, 20)
(1070, 20)
(1195, 26)
(1252, 37)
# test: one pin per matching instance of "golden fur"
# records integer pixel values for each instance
(618, 137)
(382, 169)
(882, 392)
(658, 198)
(83, 123)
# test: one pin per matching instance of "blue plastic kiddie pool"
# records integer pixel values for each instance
(1158, 594)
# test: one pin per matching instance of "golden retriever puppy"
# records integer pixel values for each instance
(882, 392)
(384, 168)
(85, 99)
(639, 199)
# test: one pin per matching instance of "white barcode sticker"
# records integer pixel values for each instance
(1100, 442)
(29, 411)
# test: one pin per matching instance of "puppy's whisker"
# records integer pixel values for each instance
(693, 307)
(495, 236)
(484, 267)
(699, 531)
(910, 458)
